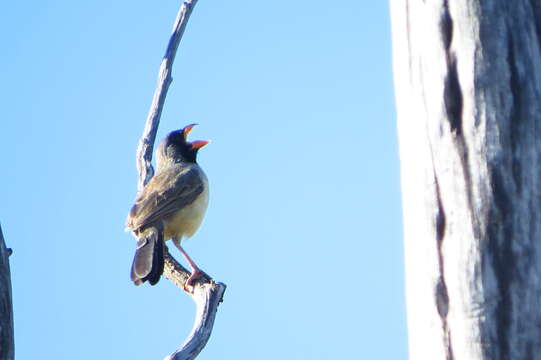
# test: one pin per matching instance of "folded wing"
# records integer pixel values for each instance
(165, 194)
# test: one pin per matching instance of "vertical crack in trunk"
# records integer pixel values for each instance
(454, 108)
(454, 100)
(442, 295)
(441, 292)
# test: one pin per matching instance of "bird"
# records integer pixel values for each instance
(171, 205)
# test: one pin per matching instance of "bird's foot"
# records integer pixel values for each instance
(189, 285)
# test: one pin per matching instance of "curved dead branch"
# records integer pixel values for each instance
(207, 294)
(146, 143)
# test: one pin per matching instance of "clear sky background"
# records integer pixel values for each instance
(304, 223)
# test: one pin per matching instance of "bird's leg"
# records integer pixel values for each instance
(196, 272)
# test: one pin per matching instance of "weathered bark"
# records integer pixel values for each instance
(207, 294)
(6, 309)
(468, 94)
(165, 78)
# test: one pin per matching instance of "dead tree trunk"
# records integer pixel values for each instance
(468, 94)
(6, 308)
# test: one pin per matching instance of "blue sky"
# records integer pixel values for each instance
(304, 223)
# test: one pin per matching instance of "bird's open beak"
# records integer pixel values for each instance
(187, 130)
(198, 144)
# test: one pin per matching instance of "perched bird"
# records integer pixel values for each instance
(170, 206)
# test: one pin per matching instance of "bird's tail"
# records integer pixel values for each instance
(149, 259)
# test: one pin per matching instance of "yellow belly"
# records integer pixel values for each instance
(186, 221)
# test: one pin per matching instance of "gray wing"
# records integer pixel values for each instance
(166, 193)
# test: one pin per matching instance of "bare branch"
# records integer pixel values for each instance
(6, 307)
(146, 144)
(207, 294)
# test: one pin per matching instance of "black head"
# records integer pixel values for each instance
(176, 147)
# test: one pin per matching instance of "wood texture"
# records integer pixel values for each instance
(6, 308)
(468, 95)
(207, 294)
(165, 78)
